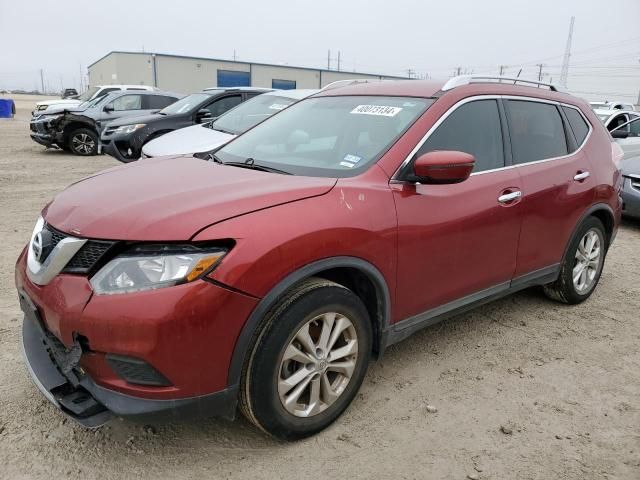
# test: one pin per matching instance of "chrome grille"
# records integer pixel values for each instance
(86, 259)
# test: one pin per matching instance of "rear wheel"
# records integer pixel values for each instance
(308, 362)
(83, 141)
(582, 266)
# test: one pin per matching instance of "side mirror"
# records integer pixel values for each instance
(204, 115)
(619, 134)
(443, 166)
(108, 108)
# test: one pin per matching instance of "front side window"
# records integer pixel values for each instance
(634, 127)
(251, 113)
(472, 128)
(536, 131)
(222, 105)
(327, 136)
(127, 102)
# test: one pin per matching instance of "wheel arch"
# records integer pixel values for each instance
(602, 212)
(357, 274)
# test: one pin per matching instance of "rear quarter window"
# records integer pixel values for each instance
(536, 130)
(578, 124)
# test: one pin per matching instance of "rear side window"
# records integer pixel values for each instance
(153, 102)
(536, 131)
(578, 124)
(472, 128)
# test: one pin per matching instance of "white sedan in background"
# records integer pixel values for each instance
(208, 136)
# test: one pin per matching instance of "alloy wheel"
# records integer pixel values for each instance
(83, 143)
(588, 260)
(317, 364)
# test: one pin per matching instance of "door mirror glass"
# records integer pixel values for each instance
(443, 166)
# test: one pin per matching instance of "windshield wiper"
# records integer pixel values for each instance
(218, 129)
(251, 164)
(213, 158)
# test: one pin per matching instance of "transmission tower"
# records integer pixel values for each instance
(564, 72)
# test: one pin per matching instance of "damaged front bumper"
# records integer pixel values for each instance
(56, 372)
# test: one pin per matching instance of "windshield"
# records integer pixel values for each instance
(327, 136)
(185, 104)
(250, 113)
(88, 94)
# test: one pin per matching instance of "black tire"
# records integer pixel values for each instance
(563, 289)
(83, 141)
(260, 402)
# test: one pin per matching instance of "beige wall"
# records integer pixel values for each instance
(262, 75)
(123, 69)
(187, 75)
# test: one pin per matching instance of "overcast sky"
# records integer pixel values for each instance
(379, 36)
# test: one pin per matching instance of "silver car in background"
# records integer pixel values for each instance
(208, 136)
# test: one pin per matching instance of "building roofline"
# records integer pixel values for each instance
(323, 70)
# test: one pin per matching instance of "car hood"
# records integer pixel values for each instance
(171, 198)
(630, 166)
(67, 102)
(138, 119)
(194, 139)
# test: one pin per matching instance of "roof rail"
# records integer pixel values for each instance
(350, 81)
(467, 79)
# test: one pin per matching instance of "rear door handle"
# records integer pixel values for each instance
(510, 197)
(581, 176)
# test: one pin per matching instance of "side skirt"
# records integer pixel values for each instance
(409, 326)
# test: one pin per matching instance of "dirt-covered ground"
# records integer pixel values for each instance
(524, 388)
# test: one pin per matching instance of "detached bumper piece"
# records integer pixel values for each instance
(55, 371)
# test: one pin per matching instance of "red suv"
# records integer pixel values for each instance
(267, 274)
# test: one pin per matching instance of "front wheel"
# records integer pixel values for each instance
(582, 266)
(83, 141)
(308, 362)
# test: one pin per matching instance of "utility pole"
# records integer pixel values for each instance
(564, 72)
(328, 59)
(338, 60)
(234, 55)
(458, 71)
(539, 65)
(502, 67)
(42, 80)
(411, 72)
(81, 89)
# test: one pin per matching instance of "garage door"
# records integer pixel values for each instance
(231, 78)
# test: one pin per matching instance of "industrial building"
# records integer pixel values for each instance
(188, 74)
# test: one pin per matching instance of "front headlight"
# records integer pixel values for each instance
(130, 128)
(148, 267)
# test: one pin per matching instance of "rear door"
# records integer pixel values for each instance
(557, 185)
(457, 243)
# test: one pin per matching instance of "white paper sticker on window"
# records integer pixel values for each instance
(381, 110)
(351, 158)
(278, 106)
(347, 164)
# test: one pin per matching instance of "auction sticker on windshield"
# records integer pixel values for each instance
(278, 106)
(381, 110)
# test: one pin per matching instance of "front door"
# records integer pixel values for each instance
(458, 243)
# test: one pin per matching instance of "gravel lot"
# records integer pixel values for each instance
(524, 388)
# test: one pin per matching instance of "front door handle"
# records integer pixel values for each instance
(580, 176)
(510, 197)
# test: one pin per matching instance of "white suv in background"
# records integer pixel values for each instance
(91, 94)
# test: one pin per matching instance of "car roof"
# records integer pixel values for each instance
(296, 94)
(241, 89)
(142, 87)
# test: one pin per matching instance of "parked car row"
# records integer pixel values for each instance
(267, 273)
